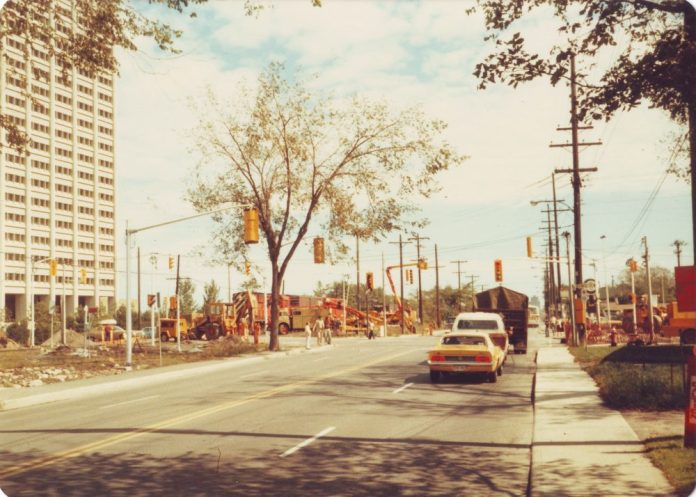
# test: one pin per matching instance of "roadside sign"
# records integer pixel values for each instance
(590, 286)
(93, 310)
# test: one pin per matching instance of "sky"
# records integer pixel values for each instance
(408, 53)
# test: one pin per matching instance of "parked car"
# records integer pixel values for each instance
(487, 322)
(106, 332)
(466, 353)
(148, 332)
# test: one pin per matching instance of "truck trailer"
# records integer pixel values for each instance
(513, 307)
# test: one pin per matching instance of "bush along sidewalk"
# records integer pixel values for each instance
(650, 378)
(647, 379)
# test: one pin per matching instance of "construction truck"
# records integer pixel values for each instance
(218, 319)
(167, 329)
(681, 315)
(513, 307)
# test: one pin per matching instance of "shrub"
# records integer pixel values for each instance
(19, 332)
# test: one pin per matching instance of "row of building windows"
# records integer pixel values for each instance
(17, 218)
(45, 166)
(15, 237)
(63, 206)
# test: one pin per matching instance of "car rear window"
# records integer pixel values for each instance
(463, 341)
(477, 324)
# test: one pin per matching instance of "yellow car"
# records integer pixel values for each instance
(466, 352)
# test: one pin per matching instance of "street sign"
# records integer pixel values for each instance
(590, 286)
(93, 310)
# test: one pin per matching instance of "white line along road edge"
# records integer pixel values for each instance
(308, 441)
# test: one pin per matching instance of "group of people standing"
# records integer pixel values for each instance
(320, 330)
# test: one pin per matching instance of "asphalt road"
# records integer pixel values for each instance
(360, 418)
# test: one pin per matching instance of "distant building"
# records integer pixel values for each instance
(58, 200)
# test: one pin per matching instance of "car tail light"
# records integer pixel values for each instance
(437, 358)
(482, 358)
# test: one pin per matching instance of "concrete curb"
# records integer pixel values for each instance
(72, 391)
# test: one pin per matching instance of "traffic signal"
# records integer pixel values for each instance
(498, 270)
(632, 265)
(83, 275)
(171, 262)
(422, 264)
(53, 267)
(150, 299)
(247, 267)
(409, 276)
(530, 253)
(172, 302)
(318, 250)
(369, 283)
(251, 225)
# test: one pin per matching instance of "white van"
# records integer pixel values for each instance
(487, 322)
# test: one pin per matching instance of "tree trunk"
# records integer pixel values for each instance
(273, 344)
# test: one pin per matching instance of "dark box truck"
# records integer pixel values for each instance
(513, 306)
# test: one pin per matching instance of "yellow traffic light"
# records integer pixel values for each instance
(53, 267)
(172, 302)
(83, 275)
(251, 226)
(318, 250)
(369, 281)
(498, 269)
(171, 262)
(422, 264)
(247, 267)
(530, 253)
(633, 265)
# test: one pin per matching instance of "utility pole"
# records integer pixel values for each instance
(437, 290)
(571, 302)
(473, 292)
(459, 282)
(678, 250)
(558, 245)
(418, 238)
(401, 281)
(357, 272)
(140, 325)
(575, 171)
(646, 258)
(551, 276)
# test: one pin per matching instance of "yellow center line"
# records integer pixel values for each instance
(107, 442)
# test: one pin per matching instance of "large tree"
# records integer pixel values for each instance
(655, 42)
(211, 294)
(306, 161)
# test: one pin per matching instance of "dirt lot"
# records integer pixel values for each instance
(21, 367)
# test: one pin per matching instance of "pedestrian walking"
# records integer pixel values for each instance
(327, 331)
(370, 330)
(319, 330)
(308, 336)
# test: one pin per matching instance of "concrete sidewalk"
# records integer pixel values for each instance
(580, 447)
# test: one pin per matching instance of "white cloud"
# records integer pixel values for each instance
(410, 53)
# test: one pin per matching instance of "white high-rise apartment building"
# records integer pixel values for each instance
(56, 202)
